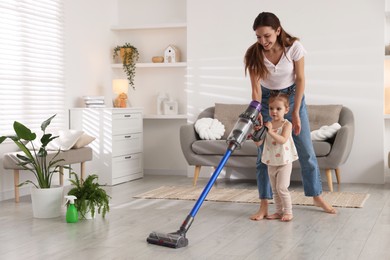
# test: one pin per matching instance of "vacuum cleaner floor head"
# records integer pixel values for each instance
(172, 240)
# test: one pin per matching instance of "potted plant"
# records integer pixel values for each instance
(91, 197)
(129, 55)
(35, 159)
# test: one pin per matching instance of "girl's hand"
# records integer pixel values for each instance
(296, 123)
(268, 125)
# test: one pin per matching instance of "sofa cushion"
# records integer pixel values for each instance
(325, 132)
(228, 114)
(218, 147)
(320, 115)
(84, 140)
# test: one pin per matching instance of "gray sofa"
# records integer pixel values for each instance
(330, 153)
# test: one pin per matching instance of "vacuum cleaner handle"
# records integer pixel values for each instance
(260, 134)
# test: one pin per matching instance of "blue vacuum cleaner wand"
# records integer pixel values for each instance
(237, 136)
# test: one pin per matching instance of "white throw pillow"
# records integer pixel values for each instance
(83, 141)
(209, 128)
(325, 132)
(66, 140)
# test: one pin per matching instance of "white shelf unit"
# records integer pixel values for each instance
(152, 78)
(152, 116)
(118, 147)
(153, 65)
(149, 26)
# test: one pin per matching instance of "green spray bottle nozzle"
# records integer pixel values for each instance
(72, 215)
(70, 199)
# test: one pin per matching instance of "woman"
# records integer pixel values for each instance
(276, 64)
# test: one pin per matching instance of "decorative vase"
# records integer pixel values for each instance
(161, 97)
(47, 203)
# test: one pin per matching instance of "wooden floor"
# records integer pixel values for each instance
(220, 230)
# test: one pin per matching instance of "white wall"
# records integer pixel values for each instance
(344, 40)
(88, 47)
(344, 64)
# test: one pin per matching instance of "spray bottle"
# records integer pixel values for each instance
(71, 214)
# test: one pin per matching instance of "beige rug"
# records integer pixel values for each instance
(337, 199)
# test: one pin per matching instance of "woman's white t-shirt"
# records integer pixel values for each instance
(282, 74)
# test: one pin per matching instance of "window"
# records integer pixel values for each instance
(31, 63)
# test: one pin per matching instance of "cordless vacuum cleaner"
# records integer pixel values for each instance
(238, 135)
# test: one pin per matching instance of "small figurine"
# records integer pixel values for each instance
(171, 54)
(121, 100)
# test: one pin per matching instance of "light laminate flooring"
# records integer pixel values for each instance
(220, 230)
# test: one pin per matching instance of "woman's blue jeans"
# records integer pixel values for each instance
(310, 172)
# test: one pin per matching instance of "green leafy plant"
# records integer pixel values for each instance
(90, 196)
(35, 159)
(129, 60)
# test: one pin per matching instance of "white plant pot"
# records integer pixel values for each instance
(88, 214)
(47, 203)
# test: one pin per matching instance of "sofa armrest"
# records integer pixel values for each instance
(188, 136)
(341, 147)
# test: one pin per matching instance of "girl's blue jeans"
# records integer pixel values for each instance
(310, 172)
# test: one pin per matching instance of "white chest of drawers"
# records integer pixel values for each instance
(118, 148)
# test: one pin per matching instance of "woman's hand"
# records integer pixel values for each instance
(260, 122)
(296, 123)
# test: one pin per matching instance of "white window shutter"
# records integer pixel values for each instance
(32, 84)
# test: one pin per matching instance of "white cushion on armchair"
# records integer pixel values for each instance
(209, 128)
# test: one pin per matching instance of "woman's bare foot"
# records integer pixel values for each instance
(275, 216)
(287, 217)
(320, 202)
(262, 212)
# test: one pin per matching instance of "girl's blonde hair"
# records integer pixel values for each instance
(281, 97)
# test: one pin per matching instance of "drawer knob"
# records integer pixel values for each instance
(127, 136)
(127, 115)
(127, 157)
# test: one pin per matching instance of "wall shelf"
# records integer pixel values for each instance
(153, 65)
(150, 26)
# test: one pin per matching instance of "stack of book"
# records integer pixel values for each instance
(94, 101)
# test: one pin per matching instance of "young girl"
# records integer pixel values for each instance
(275, 63)
(278, 154)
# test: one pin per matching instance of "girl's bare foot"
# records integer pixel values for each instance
(287, 217)
(262, 212)
(320, 202)
(275, 216)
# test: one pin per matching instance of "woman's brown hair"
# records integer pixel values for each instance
(254, 57)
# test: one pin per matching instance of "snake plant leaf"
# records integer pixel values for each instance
(47, 122)
(23, 132)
